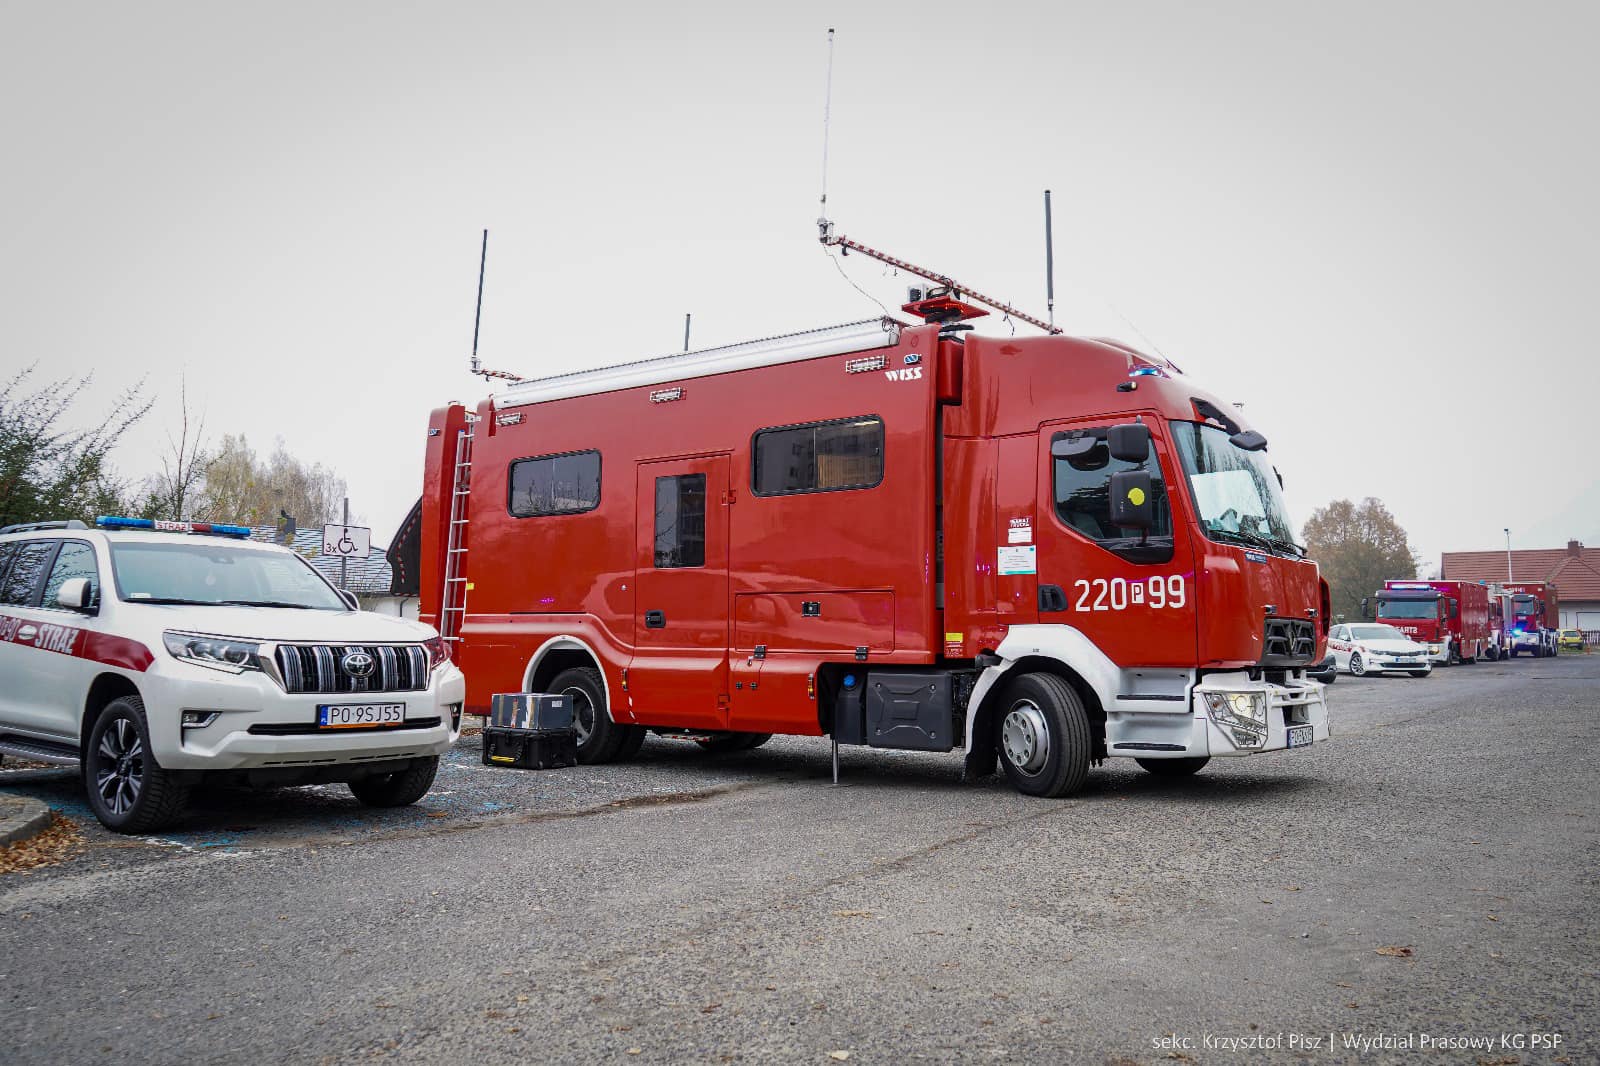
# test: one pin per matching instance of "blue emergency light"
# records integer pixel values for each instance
(107, 521)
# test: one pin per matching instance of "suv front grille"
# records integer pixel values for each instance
(1288, 642)
(316, 668)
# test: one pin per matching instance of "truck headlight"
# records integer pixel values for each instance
(1243, 715)
(218, 653)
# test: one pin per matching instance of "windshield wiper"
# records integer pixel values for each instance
(1297, 550)
(1239, 536)
(268, 603)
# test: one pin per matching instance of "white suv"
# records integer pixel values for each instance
(154, 654)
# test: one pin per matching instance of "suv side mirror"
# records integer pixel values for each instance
(349, 599)
(76, 594)
(1131, 504)
(1129, 443)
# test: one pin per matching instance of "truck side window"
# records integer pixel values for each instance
(681, 521)
(22, 583)
(1083, 488)
(554, 484)
(846, 453)
(75, 559)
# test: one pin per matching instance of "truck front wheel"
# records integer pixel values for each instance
(1044, 737)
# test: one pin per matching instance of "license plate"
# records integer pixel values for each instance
(359, 715)
(1300, 736)
(1405, 659)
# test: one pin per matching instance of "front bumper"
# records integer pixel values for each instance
(1197, 733)
(253, 701)
(1388, 663)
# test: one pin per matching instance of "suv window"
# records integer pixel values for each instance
(22, 582)
(75, 559)
(7, 551)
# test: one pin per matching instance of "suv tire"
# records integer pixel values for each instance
(399, 789)
(128, 790)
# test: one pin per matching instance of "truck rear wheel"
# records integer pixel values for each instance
(1174, 768)
(599, 738)
(1044, 737)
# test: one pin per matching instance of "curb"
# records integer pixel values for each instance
(21, 818)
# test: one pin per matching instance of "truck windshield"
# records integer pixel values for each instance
(1524, 605)
(209, 575)
(1408, 608)
(1236, 492)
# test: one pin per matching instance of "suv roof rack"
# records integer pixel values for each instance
(30, 527)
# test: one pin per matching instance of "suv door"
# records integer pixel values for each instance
(30, 677)
(67, 633)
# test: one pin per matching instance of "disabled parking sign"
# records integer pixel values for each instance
(347, 542)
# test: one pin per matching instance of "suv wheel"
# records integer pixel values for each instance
(400, 789)
(128, 790)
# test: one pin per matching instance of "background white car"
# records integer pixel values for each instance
(154, 660)
(1371, 647)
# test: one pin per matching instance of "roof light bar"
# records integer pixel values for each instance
(160, 526)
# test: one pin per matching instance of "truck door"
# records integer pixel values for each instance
(679, 672)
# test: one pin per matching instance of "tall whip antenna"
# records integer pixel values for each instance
(1049, 263)
(477, 320)
(827, 109)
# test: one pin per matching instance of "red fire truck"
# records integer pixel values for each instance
(1535, 617)
(1450, 617)
(1047, 551)
(1500, 614)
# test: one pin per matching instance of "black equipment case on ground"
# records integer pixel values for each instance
(530, 731)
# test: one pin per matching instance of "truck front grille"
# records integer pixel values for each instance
(317, 668)
(1288, 642)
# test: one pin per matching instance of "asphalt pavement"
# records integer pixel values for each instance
(1422, 888)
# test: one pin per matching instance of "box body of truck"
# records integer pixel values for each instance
(871, 532)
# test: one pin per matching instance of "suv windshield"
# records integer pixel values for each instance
(1408, 608)
(210, 574)
(1376, 633)
(1235, 492)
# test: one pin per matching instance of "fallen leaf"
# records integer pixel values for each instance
(1396, 951)
(522, 999)
(709, 1007)
(635, 1050)
(438, 814)
(772, 988)
(839, 1055)
(1492, 918)
(852, 914)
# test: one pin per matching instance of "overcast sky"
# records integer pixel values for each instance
(1372, 224)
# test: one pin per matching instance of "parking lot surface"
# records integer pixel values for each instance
(1430, 875)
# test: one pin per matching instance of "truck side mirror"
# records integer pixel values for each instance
(76, 594)
(1129, 443)
(1131, 504)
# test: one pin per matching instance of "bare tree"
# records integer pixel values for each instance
(172, 493)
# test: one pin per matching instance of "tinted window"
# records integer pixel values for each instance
(26, 570)
(681, 521)
(1083, 487)
(75, 559)
(555, 484)
(818, 457)
(7, 550)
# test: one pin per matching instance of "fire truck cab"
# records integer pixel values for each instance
(1047, 551)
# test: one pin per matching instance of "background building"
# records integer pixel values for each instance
(1573, 570)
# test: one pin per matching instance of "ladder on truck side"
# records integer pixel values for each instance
(453, 610)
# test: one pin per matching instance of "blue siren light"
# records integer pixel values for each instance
(107, 521)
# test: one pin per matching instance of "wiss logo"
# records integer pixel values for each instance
(910, 373)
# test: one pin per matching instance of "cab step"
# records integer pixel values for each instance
(39, 750)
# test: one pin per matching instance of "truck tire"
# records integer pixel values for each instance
(1043, 735)
(128, 790)
(726, 742)
(399, 789)
(1173, 769)
(600, 739)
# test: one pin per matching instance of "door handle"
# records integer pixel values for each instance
(1052, 598)
(655, 619)
(27, 632)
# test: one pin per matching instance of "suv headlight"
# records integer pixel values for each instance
(218, 653)
(1241, 714)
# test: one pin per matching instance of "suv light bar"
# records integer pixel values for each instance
(117, 522)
